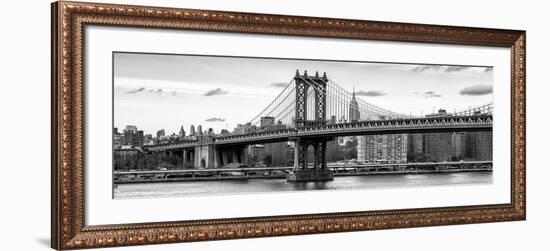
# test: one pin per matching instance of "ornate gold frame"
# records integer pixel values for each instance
(68, 228)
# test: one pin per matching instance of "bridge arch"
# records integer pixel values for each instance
(310, 154)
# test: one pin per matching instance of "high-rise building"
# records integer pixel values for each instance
(131, 128)
(438, 146)
(354, 114)
(415, 147)
(479, 145)
(148, 139)
(192, 131)
(361, 148)
(181, 133)
(336, 151)
(117, 139)
(278, 126)
(332, 120)
(458, 140)
(256, 153)
(416, 143)
(244, 129)
(387, 148)
(199, 130)
(160, 133)
(278, 153)
(129, 138)
(266, 121)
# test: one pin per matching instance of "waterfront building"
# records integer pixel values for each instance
(361, 148)
(388, 148)
(479, 145)
(416, 143)
(415, 147)
(125, 159)
(277, 153)
(274, 154)
(458, 140)
(256, 152)
(192, 131)
(117, 139)
(334, 152)
(438, 146)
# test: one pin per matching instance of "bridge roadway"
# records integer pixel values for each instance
(371, 127)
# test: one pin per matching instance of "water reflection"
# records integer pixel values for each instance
(194, 188)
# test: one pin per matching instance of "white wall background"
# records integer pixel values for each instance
(25, 127)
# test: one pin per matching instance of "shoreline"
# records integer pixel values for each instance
(283, 176)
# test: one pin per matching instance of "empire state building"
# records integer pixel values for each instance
(354, 114)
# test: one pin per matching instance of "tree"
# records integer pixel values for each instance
(267, 159)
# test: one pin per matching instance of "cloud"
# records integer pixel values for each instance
(477, 90)
(278, 84)
(431, 94)
(134, 91)
(437, 68)
(370, 93)
(157, 91)
(450, 69)
(214, 92)
(214, 119)
(422, 68)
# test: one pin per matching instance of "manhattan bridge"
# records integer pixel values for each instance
(310, 111)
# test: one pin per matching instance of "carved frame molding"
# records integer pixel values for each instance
(68, 22)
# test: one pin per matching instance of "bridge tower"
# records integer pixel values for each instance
(301, 171)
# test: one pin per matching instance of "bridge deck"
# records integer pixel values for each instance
(413, 125)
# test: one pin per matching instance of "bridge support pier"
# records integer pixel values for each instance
(302, 172)
(188, 160)
(228, 155)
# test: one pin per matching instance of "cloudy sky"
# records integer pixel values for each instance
(154, 91)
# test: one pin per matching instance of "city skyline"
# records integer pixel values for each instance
(335, 135)
(185, 87)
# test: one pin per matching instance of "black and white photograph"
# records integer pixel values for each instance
(194, 125)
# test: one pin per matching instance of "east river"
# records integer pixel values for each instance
(194, 188)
